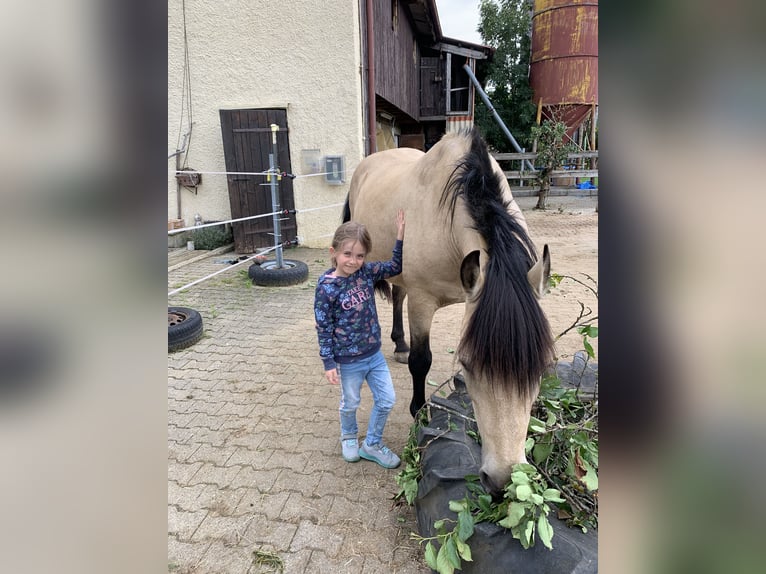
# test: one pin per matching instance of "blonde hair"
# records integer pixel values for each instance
(351, 230)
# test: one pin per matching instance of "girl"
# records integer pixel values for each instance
(349, 337)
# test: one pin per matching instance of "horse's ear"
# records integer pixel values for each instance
(540, 273)
(470, 272)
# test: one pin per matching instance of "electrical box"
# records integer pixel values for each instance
(335, 170)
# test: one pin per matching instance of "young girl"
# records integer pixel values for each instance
(349, 337)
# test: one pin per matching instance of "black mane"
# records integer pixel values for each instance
(508, 338)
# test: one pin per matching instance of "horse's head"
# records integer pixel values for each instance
(504, 349)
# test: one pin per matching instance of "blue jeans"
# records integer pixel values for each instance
(375, 371)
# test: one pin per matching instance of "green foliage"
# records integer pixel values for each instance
(551, 150)
(411, 473)
(505, 25)
(211, 237)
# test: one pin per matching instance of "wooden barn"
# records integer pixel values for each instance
(340, 79)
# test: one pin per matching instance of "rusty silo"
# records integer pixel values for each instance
(564, 64)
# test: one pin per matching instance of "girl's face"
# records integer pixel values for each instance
(349, 258)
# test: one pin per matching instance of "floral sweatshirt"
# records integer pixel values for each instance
(346, 316)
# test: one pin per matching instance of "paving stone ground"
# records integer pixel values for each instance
(253, 435)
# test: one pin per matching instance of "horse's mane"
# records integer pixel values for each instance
(508, 337)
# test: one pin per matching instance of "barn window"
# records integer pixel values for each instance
(458, 84)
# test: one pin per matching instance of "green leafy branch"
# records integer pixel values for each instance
(452, 544)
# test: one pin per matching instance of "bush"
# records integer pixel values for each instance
(211, 237)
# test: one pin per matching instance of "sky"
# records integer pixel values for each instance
(459, 19)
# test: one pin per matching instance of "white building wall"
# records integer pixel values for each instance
(301, 56)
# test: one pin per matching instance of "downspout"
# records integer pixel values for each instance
(489, 105)
(371, 127)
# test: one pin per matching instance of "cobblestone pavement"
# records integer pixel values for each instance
(254, 458)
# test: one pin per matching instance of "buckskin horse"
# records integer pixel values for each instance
(466, 240)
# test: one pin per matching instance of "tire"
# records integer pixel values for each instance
(184, 328)
(448, 455)
(267, 274)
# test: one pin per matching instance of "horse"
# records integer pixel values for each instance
(466, 240)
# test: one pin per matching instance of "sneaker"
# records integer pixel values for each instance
(380, 454)
(350, 449)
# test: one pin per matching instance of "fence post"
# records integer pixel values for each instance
(275, 195)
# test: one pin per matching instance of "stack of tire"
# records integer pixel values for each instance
(449, 454)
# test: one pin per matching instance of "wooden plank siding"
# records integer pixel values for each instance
(397, 58)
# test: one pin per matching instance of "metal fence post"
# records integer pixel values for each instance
(275, 195)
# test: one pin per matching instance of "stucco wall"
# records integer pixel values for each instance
(301, 56)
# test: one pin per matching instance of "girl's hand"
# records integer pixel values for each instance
(400, 224)
(332, 376)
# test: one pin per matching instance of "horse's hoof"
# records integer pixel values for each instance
(401, 357)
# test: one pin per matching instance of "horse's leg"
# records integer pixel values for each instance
(401, 350)
(420, 311)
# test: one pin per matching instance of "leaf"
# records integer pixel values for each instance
(450, 350)
(464, 550)
(443, 565)
(536, 498)
(590, 480)
(439, 524)
(529, 532)
(528, 445)
(588, 348)
(519, 477)
(465, 526)
(545, 530)
(523, 492)
(516, 512)
(430, 555)
(452, 554)
(552, 495)
(410, 491)
(458, 505)
(541, 451)
(432, 383)
(536, 425)
(447, 559)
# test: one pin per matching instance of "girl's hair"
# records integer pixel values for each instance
(351, 230)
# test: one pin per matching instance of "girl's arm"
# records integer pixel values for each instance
(385, 269)
(325, 328)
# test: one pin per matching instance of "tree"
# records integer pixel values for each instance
(551, 154)
(506, 26)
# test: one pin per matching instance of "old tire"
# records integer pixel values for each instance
(449, 454)
(267, 274)
(184, 327)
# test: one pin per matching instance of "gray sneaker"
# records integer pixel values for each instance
(380, 454)
(350, 449)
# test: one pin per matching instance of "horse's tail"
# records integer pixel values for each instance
(346, 211)
(384, 290)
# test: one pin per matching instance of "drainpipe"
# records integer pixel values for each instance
(178, 153)
(489, 105)
(373, 145)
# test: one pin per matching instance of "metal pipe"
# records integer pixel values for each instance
(489, 105)
(275, 195)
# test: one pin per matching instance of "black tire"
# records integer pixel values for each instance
(267, 274)
(184, 327)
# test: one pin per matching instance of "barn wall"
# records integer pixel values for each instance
(253, 55)
(397, 58)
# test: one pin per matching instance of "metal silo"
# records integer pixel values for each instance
(564, 64)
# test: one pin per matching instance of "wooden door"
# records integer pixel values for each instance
(246, 146)
(431, 87)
